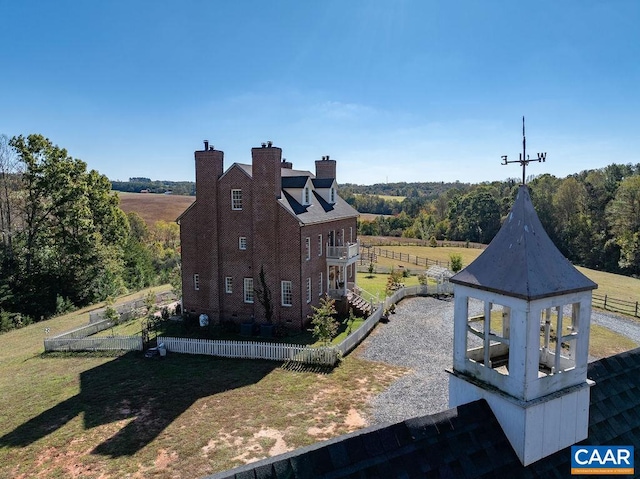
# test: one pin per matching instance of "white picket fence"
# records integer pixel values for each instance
(106, 343)
(252, 350)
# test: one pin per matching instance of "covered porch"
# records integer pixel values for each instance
(339, 260)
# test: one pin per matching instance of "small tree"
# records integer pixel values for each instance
(175, 280)
(433, 242)
(150, 304)
(264, 296)
(111, 314)
(371, 270)
(456, 262)
(393, 279)
(324, 324)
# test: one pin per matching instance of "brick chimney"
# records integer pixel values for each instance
(265, 170)
(209, 167)
(326, 168)
(198, 233)
(266, 189)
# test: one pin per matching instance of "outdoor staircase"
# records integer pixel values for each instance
(359, 303)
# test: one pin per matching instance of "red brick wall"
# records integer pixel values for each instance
(210, 233)
(198, 235)
(234, 262)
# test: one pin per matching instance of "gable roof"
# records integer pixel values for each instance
(462, 442)
(294, 181)
(522, 261)
(323, 182)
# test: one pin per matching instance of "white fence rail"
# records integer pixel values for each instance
(252, 350)
(123, 343)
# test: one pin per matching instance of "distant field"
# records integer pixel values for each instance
(154, 207)
(385, 197)
(372, 216)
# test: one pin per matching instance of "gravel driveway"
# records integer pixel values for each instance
(420, 336)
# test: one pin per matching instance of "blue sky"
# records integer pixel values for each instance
(393, 90)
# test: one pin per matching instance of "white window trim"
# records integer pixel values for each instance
(233, 206)
(309, 292)
(242, 243)
(319, 245)
(307, 247)
(228, 284)
(284, 285)
(321, 284)
(248, 292)
(196, 282)
(306, 195)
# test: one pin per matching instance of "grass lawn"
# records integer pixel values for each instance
(613, 285)
(120, 415)
(111, 416)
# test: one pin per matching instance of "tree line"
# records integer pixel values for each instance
(64, 241)
(592, 216)
(138, 184)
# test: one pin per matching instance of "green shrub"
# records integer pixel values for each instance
(456, 262)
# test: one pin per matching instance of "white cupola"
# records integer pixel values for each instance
(521, 337)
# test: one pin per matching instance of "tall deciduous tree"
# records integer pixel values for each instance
(71, 234)
(623, 215)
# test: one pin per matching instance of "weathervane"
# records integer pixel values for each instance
(524, 159)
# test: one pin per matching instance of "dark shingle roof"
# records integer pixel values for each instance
(463, 442)
(294, 181)
(323, 182)
(522, 261)
(320, 210)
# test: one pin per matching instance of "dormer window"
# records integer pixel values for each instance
(332, 195)
(306, 196)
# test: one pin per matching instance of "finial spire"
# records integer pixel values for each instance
(524, 159)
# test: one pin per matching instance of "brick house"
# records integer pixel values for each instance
(291, 223)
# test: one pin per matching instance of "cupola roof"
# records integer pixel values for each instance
(522, 261)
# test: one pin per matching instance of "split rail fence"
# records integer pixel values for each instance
(368, 254)
(616, 305)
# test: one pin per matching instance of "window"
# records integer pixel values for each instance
(248, 290)
(228, 284)
(308, 290)
(236, 199)
(350, 234)
(307, 248)
(242, 242)
(319, 245)
(488, 337)
(306, 196)
(286, 290)
(196, 282)
(333, 195)
(320, 285)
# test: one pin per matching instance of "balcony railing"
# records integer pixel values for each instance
(349, 251)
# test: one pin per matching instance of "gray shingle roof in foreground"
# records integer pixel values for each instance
(463, 442)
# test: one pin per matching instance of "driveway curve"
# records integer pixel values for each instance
(420, 337)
